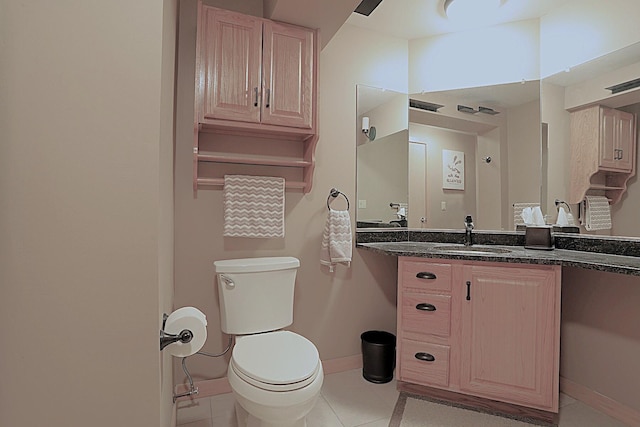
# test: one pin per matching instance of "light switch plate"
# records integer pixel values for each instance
(362, 204)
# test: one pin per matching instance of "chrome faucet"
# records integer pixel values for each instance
(468, 226)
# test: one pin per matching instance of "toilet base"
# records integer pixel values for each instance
(245, 419)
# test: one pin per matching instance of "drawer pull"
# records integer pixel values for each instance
(426, 275)
(425, 307)
(426, 357)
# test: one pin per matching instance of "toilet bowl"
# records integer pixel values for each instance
(275, 375)
(276, 378)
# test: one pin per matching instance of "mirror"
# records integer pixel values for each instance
(382, 159)
(521, 171)
(458, 158)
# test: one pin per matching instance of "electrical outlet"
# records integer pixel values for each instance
(362, 204)
(443, 206)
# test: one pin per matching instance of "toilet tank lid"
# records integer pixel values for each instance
(250, 265)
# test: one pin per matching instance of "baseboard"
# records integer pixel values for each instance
(341, 364)
(208, 388)
(602, 403)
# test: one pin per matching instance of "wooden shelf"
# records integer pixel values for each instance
(213, 182)
(604, 187)
(250, 159)
(226, 127)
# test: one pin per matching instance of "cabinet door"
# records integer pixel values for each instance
(617, 140)
(608, 144)
(230, 60)
(288, 75)
(626, 144)
(510, 334)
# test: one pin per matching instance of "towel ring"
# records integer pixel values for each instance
(335, 193)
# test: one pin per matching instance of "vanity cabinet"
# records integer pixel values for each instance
(603, 147)
(256, 79)
(509, 334)
(480, 329)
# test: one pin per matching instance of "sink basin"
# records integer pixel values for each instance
(472, 250)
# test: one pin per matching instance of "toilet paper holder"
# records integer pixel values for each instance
(185, 336)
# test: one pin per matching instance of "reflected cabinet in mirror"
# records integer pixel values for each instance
(553, 120)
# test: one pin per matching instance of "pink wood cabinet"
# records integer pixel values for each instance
(481, 329)
(255, 79)
(230, 53)
(509, 334)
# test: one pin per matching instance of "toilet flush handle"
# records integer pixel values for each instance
(227, 281)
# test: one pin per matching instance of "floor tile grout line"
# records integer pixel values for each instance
(332, 410)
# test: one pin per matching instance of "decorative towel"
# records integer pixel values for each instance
(336, 239)
(597, 213)
(517, 212)
(253, 206)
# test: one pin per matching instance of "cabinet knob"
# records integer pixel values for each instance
(426, 275)
(425, 307)
(426, 357)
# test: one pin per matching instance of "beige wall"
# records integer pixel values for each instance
(459, 203)
(330, 309)
(86, 224)
(577, 31)
(480, 57)
(600, 335)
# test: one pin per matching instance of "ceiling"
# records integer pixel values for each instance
(410, 19)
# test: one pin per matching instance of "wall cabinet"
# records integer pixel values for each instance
(481, 329)
(254, 78)
(603, 148)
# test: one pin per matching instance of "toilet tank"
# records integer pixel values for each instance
(256, 294)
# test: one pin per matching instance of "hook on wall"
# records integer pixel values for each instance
(487, 159)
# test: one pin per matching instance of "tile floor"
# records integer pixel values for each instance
(348, 400)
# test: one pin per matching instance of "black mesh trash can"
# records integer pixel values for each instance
(378, 356)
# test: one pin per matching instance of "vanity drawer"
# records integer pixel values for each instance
(426, 275)
(424, 363)
(426, 313)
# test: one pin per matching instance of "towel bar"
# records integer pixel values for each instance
(335, 193)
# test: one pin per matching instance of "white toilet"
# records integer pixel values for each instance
(275, 375)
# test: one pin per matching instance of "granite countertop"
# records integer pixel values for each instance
(613, 263)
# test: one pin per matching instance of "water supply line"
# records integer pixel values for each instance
(192, 389)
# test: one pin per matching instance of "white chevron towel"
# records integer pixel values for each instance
(336, 240)
(597, 213)
(253, 206)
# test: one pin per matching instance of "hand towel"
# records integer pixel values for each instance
(253, 206)
(336, 240)
(597, 213)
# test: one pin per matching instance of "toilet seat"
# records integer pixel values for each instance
(276, 361)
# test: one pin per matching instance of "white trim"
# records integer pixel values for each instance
(602, 403)
(208, 388)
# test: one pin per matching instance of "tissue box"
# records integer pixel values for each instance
(539, 237)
